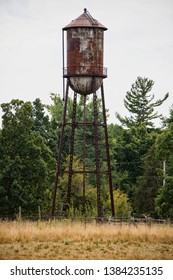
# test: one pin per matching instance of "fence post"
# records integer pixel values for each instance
(129, 217)
(20, 213)
(39, 213)
(168, 221)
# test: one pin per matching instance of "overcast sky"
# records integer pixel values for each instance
(138, 42)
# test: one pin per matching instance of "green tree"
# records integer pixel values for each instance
(140, 104)
(121, 202)
(26, 163)
(164, 148)
(138, 136)
(164, 199)
(169, 120)
(56, 117)
(130, 150)
(77, 197)
(41, 121)
(148, 184)
(44, 126)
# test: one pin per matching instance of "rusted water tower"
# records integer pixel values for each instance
(84, 73)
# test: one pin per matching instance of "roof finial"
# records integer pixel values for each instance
(85, 10)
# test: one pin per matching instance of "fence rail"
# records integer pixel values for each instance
(109, 220)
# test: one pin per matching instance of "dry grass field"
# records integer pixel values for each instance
(73, 241)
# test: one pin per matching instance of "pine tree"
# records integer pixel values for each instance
(140, 104)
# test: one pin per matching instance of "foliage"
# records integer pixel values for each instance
(140, 104)
(148, 184)
(29, 141)
(26, 163)
(121, 202)
(135, 144)
(77, 197)
(164, 199)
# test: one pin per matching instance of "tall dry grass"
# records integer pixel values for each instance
(24, 232)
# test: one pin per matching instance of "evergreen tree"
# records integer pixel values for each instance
(169, 120)
(164, 148)
(164, 199)
(140, 104)
(138, 137)
(148, 184)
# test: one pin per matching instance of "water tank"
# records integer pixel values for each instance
(85, 42)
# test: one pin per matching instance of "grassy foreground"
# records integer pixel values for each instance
(60, 240)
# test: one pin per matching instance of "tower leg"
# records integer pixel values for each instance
(58, 169)
(107, 153)
(72, 149)
(84, 158)
(97, 156)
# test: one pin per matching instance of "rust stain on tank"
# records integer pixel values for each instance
(85, 52)
(85, 40)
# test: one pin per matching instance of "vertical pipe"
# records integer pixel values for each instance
(107, 152)
(164, 171)
(63, 64)
(84, 157)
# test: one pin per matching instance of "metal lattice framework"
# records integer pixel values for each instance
(97, 171)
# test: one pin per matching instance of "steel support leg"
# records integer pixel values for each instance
(72, 149)
(58, 169)
(107, 153)
(84, 158)
(97, 156)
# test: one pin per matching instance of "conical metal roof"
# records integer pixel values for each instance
(85, 20)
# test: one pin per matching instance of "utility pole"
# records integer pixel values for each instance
(164, 171)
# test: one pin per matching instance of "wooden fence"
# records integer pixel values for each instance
(130, 220)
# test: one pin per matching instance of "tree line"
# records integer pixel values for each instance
(141, 157)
